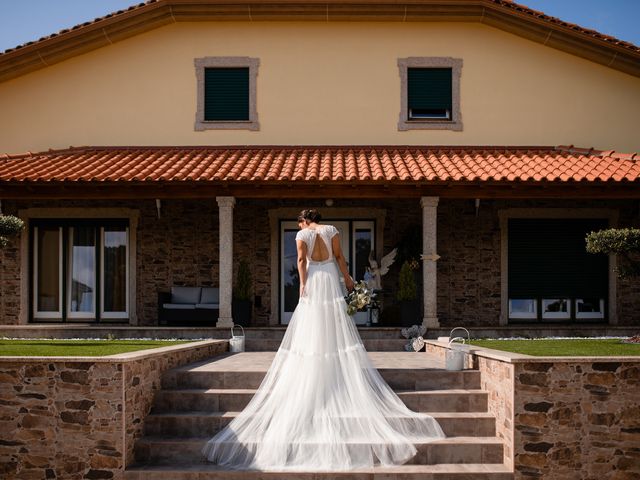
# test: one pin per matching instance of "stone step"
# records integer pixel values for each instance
(198, 376)
(172, 450)
(371, 344)
(216, 399)
(468, 471)
(190, 424)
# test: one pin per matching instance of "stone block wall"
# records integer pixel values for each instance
(496, 377)
(79, 418)
(574, 418)
(577, 419)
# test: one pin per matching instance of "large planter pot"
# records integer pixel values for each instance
(241, 312)
(410, 313)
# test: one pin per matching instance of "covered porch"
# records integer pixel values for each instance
(191, 215)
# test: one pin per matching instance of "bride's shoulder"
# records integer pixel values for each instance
(330, 229)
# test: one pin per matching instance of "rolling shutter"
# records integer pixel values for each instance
(226, 94)
(548, 259)
(429, 88)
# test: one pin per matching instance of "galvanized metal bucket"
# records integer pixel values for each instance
(457, 353)
(236, 342)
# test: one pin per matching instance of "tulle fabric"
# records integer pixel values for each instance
(322, 405)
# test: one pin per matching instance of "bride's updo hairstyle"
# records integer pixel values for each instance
(309, 216)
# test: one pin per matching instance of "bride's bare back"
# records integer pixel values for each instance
(320, 251)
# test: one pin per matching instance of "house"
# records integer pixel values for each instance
(156, 146)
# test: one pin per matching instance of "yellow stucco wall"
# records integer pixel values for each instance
(321, 83)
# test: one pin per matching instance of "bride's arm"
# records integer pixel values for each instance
(302, 264)
(342, 263)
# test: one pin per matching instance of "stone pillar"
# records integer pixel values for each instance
(429, 258)
(225, 208)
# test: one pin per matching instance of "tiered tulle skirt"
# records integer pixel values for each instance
(322, 405)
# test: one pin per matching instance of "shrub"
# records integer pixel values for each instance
(242, 291)
(407, 289)
(9, 226)
(623, 242)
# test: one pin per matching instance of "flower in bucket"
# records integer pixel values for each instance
(360, 297)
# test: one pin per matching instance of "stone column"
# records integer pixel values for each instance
(429, 258)
(225, 208)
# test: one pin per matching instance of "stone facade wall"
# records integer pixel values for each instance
(496, 377)
(577, 419)
(10, 279)
(79, 418)
(563, 419)
(181, 248)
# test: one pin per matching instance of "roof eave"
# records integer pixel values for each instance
(145, 17)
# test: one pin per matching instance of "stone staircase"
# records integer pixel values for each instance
(197, 400)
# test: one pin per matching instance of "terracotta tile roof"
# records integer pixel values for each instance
(341, 164)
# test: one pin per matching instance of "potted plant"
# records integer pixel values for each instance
(9, 226)
(241, 306)
(407, 295)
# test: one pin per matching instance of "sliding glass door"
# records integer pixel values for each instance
(80, 270)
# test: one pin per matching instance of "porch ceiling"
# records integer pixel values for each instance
(320, 171)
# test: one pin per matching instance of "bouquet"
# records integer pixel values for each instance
(361, 296)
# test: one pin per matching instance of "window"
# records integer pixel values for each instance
(550, 274)
(80, 270)
(226, 93)
(590, 308)
(523, 308)
(556, 308)
(430, 93)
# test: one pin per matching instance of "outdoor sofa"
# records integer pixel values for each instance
(189, 306)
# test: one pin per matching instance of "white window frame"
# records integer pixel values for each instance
(562, 315)
(227, 62)
(78, 315)
(409, 122)
(48, 314)
(599, 314)
(105, 314)
(360, 318)
(533, 315)
(361, 224)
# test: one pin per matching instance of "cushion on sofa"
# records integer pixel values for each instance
(185, 295)
(179, 306)
(208, 306)
(210, 295)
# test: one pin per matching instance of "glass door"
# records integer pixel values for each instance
(80, 270)
(357, 241)
(47, 273)
(81, 286)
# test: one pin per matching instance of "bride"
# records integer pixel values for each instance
(322, 406)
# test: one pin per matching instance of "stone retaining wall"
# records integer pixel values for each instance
(77, 418)
(563, 417)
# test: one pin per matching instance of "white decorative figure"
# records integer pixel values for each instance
(374, 273)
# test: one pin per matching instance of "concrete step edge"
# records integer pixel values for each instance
(469, 468)
(466, 440)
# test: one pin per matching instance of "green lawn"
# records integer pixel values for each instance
(78, 348)
(563, 347)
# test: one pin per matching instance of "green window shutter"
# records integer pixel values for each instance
(226, 94)
(548, 259)
(429, 89)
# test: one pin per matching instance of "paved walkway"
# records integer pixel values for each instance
(260, 361)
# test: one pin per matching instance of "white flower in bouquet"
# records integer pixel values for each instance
(358, 298)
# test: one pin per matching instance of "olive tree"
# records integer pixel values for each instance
(624, 242)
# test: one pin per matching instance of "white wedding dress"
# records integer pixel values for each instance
(322, 406)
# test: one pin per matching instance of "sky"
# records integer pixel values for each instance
(22, 21)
